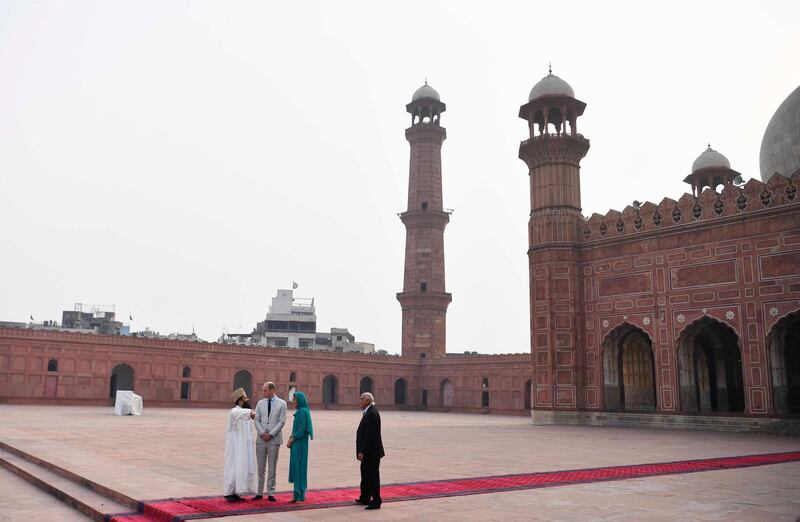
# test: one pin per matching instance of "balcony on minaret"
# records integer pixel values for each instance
(553, 153)
(425, 108)
(552, 114)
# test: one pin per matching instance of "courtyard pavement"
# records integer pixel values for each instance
(177, 452)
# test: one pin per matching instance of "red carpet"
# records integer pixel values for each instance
(178, 509)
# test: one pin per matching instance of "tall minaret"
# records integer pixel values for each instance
(423, 299)
(553, 154)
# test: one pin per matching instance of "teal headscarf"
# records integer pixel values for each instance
(303, 409)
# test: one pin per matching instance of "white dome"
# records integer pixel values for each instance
(710, 158)
(780, 147)
(426, 91)
(551, 85)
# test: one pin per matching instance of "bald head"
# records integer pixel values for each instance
(269, 390)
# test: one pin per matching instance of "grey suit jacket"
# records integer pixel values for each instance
(273, 423)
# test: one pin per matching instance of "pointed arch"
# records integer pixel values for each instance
(710, 367)
(629, 376)
(446, 393)
(366, 385)
(783, 344)
(330, 385)
(400, 391)
(122, 378)
(243, 379)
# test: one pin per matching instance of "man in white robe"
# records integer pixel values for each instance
(240, 451)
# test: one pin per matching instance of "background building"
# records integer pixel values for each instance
(101, 318)
(291, 322)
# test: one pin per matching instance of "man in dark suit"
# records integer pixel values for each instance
(369, 451)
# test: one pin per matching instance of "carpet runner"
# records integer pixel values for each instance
(192, 508)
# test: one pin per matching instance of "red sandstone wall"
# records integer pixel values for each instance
(509, 382)
(737, 261)
(85, 363)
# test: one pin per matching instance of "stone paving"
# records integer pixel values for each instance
(176, 452)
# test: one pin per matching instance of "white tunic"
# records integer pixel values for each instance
(240, 453)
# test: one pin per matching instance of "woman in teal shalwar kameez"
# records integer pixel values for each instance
(302, 430)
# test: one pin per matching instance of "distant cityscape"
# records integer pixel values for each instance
(291, 322)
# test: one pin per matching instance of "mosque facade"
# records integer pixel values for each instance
(685, 306)
(682, 306)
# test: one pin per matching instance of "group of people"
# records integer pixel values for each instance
(254, 438)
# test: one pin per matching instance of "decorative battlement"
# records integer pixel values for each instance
(734, 200)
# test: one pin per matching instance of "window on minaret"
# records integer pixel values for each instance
(424, 205)
(423, 287)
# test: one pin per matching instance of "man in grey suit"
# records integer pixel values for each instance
(269, 421)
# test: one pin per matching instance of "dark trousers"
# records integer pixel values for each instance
(371, 481)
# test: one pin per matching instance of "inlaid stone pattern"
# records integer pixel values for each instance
(744, 275)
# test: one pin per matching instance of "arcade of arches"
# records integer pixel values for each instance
(707, 361)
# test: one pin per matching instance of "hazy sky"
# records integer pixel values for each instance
(183, 160)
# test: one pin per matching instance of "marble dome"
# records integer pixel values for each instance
(551, 85)
(710, 158)
(426, 91)
(780, 147)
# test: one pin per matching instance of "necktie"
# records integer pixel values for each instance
(269, 407)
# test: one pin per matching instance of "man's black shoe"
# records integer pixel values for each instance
(233, 498)
(362, 502)
(373, 506)
(272, 499)
(257, 497)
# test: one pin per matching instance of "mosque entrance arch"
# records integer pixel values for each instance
(121, 379)
(629, 381)
(710, 367)
(783, 342)
(446, 393)
(329, 386)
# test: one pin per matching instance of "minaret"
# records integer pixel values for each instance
(553, 154)
(423, 299)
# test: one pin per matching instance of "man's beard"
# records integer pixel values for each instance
(246, 404)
